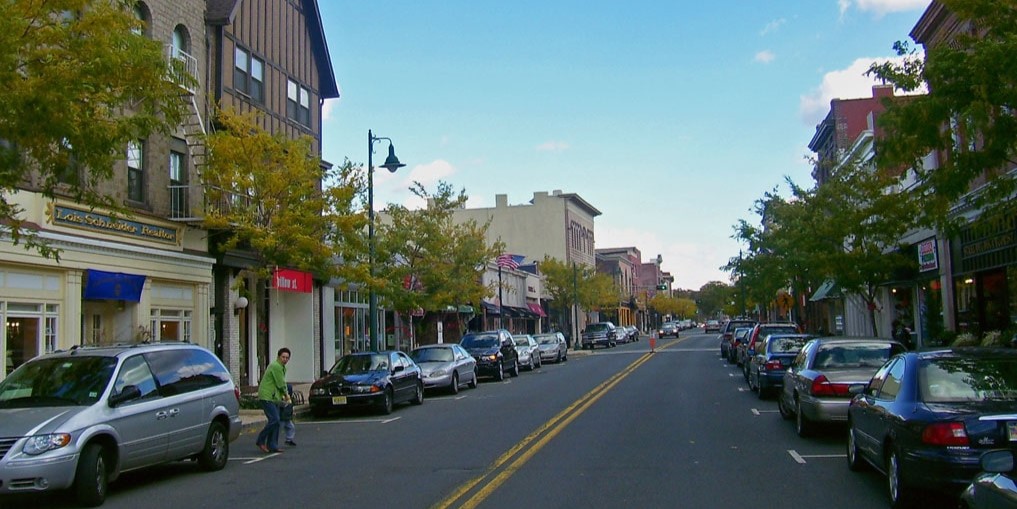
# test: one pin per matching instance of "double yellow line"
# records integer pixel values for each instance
(497, 475)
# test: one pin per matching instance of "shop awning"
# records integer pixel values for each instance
(828, 290)
(539, 311)
(101, 285)
(492, 309)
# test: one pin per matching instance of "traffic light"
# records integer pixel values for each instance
(662, 287)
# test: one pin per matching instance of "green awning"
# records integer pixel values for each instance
(828, 290)
(466, 310)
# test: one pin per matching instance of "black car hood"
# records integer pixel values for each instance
(351, 379)
(480, 352)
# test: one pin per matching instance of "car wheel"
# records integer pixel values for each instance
(855, 462)
(557, 360)
(745, 372)
(538, 362)
(217, 448)
(565, 357)
(418, 396)
(803, 426)
(91, 479)
(900, 495)
(386, 402)
(785, 413)
(501, 372)
(515, 368)
(454, 386)
(473, 381)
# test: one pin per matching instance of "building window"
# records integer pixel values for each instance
(298, 102)
(171, 325)
(135, 171)
(180, 41)
(249, 74)
(179, 206)
(141, 12)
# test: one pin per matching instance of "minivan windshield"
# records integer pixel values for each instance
(57, 381)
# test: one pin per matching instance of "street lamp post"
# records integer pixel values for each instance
(391, 164)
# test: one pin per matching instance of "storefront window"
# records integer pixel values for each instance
(29, 330)
(170, 325)
(966, 300)
(930, 313)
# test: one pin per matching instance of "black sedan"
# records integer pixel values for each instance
(373, 379)
(926, 418)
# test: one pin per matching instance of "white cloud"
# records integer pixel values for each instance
(772, 26)
(849, 83)
(553, 146)
(395, 187)
(881, 7)
(765, 56)
(326, 109)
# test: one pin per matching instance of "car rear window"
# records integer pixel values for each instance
(786, 345)
(598, 327)
(852, 355)
(967, 379)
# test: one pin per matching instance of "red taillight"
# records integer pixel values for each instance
(774, 364)
(945, 433)
(236, 392)
(821, 386)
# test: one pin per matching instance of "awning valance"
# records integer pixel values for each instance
(101, 285)
(828, 290)
(539, 311)
(492, 309)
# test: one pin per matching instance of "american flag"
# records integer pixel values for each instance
(510, 261)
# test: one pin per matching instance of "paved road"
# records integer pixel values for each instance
(619, 428)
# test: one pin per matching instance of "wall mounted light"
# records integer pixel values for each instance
(241, 303)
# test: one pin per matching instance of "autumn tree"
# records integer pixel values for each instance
(425, 259)
(967, 116)
(79, 81)
(271, 195)
(713, 296)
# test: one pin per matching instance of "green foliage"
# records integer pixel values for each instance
(264, 193)
(424, 259)
(967, 116)
(713, 296)
(78, 84)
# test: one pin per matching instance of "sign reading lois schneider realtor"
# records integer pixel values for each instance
(289, 280)
(87, 220)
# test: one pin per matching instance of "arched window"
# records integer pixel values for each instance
(181, 41)
(145, 16)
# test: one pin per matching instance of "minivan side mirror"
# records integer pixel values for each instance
(128, 393)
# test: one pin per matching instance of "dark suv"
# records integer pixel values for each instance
(495, 352)
(600, 333)
(727, 332)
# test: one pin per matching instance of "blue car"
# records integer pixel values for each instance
(767, 366)
(926, 418)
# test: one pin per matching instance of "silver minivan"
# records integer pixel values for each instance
(78, 418)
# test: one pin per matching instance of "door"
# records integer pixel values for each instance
(143, 424)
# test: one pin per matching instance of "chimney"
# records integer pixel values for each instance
(500, 200)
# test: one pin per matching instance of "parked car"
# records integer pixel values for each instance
(817, 384)
(495, 352)
(668, 329)
(600, 333)
(633, 332)
(552, 347)
(528, 350)
(996, 486)
(727, 333)
(367, 379)
(446, 366)
(712, 326)
(771, 360)
(759, 333)
(740, 337)
(78, 419)
(925, 418)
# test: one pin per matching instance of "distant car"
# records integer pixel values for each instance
(600, 333)
(817, 385)
(367, 379)
(771, 360)
(712, 326)
(528, 350)
(740, 337)
(446, 366)
(552, 347)
(759, 333)
(633, 332)
(925, 418)
(996, 486)
(495, 352)
(727, 333)
(668, 329)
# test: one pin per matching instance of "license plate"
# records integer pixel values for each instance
(338, 400)
(1011, 430)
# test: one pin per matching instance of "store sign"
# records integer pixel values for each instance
(289, 280)
(86, 220)
(927, 255)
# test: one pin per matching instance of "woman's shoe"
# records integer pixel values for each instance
(275, 450)
(263, 447)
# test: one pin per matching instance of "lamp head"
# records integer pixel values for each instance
(392, 162)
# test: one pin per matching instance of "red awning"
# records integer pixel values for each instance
(537, 309)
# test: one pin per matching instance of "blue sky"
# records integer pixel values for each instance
(670, 117)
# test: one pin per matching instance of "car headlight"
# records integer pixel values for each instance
(318, 391)
(42, 443)
(492, 358)
(365, 389)
(438, 372)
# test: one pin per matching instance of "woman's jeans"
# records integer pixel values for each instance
(269, 435)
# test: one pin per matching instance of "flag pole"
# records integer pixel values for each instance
(501, 311)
